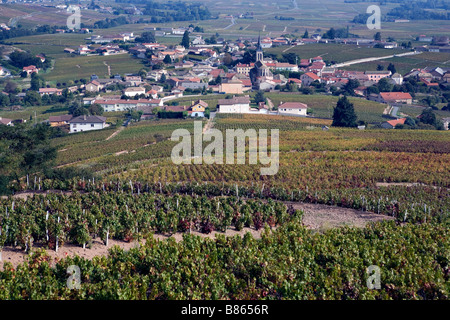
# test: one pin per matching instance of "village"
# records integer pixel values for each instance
(200, 67)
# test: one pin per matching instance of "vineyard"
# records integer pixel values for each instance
(137, 193)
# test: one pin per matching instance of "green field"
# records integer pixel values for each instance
(406, 64)
(323, 106)
(42, 113)
(334, 52)
(80, 67)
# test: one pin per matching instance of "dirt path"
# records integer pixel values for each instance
(321, 216)
(115, 133)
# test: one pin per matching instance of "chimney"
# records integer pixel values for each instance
(84, 117)
(184, 107)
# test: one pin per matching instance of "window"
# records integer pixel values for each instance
(92, 125)
(74, 125)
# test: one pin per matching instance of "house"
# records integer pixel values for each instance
(293, 108)
(123, 105)
(395, 97)
(397, 78)
(198, 108)
(133, 91)
(133, 80)
(286, 67)
(392, 123)
(94, 86)
(244, 69)
(58, 121)
(193, 85)
(50, 91)
(234, 105)
(30, 69)
(308, 78)
(198, 41)
(446, 122)
(41, 57)
(233, 87)
(376, 76)
(87, 123)
(6, 122)
(2, 71)
(424, 38)
(446, 77)
(304, 63)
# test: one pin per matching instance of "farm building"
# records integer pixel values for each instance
(87, 123)
(293, 108)
(234, 105)
(58, 121)
(395, 97)
(392, 123)
(6, 122)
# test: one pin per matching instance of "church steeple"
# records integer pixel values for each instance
(259, 50)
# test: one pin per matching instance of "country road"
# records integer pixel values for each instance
(358, 61)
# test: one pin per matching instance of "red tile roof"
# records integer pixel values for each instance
(312, 76)
(396, 122)
(389, 96)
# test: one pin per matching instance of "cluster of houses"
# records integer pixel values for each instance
(207, 74)
(437, 44)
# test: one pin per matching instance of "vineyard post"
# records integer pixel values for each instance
(107, 236)
(46, 227)
(56, 246)
(27, 181)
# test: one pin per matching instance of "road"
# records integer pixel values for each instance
(358, 61)
(394, 112)
(233, 22)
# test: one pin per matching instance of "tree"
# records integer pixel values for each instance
(350, 86)
(32, 98)
(330, 34)
(384, 85)
(28, 151)
(76, 109)
(227, 59)
(10, 87)
(36, 82)
(306, 34)
(4, 100)
(185, 42)
(429, 117)
(380, 67)
(163, 78)
(167, 59)
(344, 114)
(146, 37)
(290, 57)
(377, 36)
(95, 109)
(392, 68)
(259, 97)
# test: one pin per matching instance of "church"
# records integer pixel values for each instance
(260, 75)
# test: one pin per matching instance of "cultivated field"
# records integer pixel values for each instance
(83, 67)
